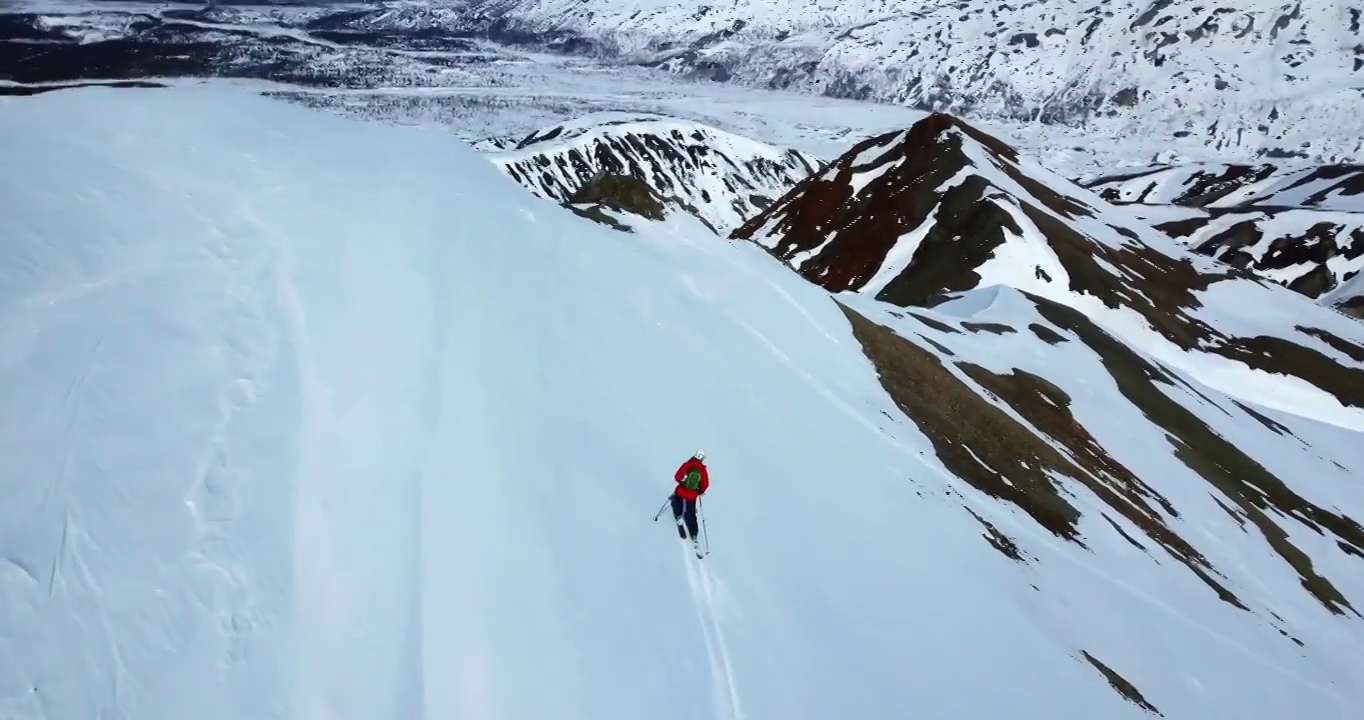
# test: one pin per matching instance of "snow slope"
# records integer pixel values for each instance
(306, 417)
(726, 177)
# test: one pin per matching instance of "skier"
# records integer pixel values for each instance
(692, 481)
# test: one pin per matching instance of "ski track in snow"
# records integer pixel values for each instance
(1021, 528)
(724, 688)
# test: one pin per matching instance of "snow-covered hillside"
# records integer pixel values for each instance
(914, 216)
(308, 417)
(1301, 226)
(1328, 187)
(1249, 76)
(1309, 251)
(725, 177)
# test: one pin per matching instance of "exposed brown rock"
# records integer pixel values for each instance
(976, 440)
(1121, 685)
(620, 192)
(1046, 407)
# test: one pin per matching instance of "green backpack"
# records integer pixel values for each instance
(692, 480)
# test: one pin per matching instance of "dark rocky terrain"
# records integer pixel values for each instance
(1301, 225)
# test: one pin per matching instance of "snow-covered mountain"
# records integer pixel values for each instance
(310, 417)
(59, 42)
(1171, 81)
(1263, 76)
(1320, 187)
(725, 177)
(1301, 226)
(1310, 251)
(916, 216)
(1254, 81)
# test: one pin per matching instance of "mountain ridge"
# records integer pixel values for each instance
(913, 217)
(725, 177)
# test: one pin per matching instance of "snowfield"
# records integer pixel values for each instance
(307, 417)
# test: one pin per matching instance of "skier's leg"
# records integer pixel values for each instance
(677, 514)
(691, 520)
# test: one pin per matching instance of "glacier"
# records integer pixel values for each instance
(309, 417)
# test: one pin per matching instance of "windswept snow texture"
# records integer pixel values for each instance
(1251, 77)
(305, 417)
(915, 216)
(727, 178)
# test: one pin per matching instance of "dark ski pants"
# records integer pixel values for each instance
(686, 511)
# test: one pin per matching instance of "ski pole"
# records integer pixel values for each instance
(705, 536)
(661, 509)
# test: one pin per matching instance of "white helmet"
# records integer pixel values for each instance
(700, 455)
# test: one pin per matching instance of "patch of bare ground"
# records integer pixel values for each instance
(939, 326)
(597, 215)
(998, 540)
(627, 194)
(996, 328)
(976, 440)
(1159, 287)
(1006, 459)
(1046, 334)
(624, 193)
(1121, 685)
(1285, 357)
(1263, 420)
(1047, 408)
(1344, 346)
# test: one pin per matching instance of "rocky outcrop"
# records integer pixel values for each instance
(624, 193)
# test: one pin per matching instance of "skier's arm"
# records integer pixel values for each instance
(681, 470)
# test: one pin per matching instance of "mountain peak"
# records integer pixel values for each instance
(916, 217)
(942, 207)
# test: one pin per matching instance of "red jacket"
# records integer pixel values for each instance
(689, 465)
